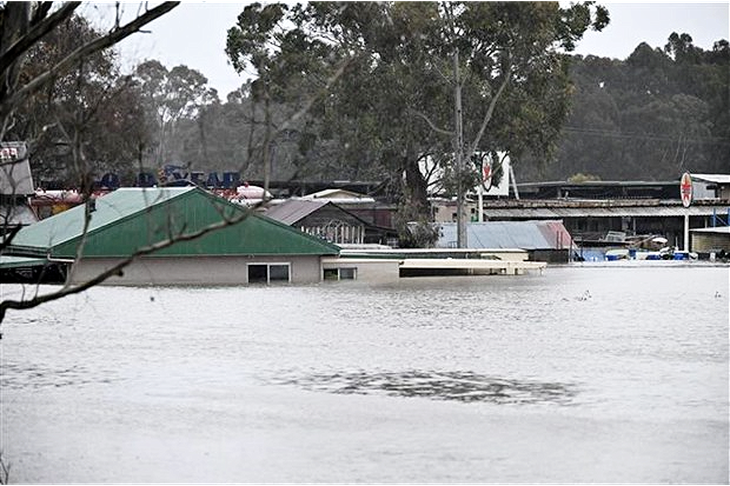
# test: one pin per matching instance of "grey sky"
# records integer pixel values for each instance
(194, 34)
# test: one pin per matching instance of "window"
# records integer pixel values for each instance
(268, 272)
(347, 273)
(279, 273)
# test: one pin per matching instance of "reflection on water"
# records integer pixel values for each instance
(462, 386)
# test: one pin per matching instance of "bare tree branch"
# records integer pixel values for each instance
(488, 115)
(8, 237)
(431, 124)
(40, 29)
(99, 44)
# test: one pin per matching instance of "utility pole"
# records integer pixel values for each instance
(459, 153)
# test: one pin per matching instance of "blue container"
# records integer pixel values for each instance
(680, 256)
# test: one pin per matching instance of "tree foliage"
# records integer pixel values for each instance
(24, 24)
(652, 116)
(394, 105)
(171, 96)
(91, 111)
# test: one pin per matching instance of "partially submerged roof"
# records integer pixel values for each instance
(7, 262)
(129, 219)
(527, 235)
(293, 211)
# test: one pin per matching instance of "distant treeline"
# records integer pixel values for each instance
(650, 117)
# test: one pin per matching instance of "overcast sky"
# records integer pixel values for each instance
(194, 34)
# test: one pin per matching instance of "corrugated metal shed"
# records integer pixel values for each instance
(527, 235)
(132, 218)
(711, 239)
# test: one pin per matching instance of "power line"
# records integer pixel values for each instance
(651, 137)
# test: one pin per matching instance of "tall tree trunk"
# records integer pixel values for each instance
(266, 155)
(415, 189)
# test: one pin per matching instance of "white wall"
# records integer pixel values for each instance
(194, 270)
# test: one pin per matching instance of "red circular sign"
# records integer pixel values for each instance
(685, 189)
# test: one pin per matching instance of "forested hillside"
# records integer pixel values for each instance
(649, 117)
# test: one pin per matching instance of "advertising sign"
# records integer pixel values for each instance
(685, 189)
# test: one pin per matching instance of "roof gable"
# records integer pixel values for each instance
(110, 209)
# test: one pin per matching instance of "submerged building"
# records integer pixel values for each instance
(246, 248)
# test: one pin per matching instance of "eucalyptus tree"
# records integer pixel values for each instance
(705, 75)
(291, 65)
(171, 96)
(395, 104)
(91, 114)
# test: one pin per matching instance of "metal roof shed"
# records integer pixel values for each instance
(527, 235)
(130, 219)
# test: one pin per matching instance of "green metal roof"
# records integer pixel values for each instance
(129, 219)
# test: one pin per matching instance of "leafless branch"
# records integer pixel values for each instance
(9, 235)
(40, 29)
(97, 45)
(488, 115)
(431, 124)
(4, 470)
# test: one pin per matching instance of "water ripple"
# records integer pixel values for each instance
(18, 376)
(462, 386)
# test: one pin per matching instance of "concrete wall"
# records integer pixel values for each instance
(195, 270)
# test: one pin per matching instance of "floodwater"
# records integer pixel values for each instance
(581, 374)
